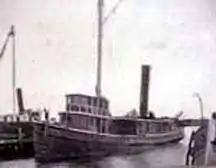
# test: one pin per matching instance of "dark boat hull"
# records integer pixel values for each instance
(55, 143)
(198, 150)
(200, 159)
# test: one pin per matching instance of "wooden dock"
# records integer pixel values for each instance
(16, 140)
(192, 122)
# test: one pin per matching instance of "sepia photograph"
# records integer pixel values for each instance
(107, 83)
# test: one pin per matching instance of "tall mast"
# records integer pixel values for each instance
(99, 46)
(101, 21)
(12, 33)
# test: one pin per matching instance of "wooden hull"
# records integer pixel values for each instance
(55, 143)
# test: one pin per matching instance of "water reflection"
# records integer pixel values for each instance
(79, 164)
(169, 156)
(160, 157)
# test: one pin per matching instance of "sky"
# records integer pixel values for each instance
(56, 53)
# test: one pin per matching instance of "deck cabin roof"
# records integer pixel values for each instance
(85, 96)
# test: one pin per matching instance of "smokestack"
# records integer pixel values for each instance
(145, 77)
(20, 100)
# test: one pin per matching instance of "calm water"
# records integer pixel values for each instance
(173, 155)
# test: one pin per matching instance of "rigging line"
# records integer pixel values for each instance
(10, 33)
(112, 11)
(4, 46)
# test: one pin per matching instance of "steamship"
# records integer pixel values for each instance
(87, 129)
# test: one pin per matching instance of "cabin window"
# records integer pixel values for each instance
(67, 107)
(76, 99)
(95, 102)
(65, 117)
(100, 103)
(92, 121)
(68, 118)
(98, 124)
(74, 108)
(71, 99)
(106, 104)
(5, 118)
(89, 110)
(103, 123)
(89, 101)
(83, 100)
(83, 109)
(18, 118)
